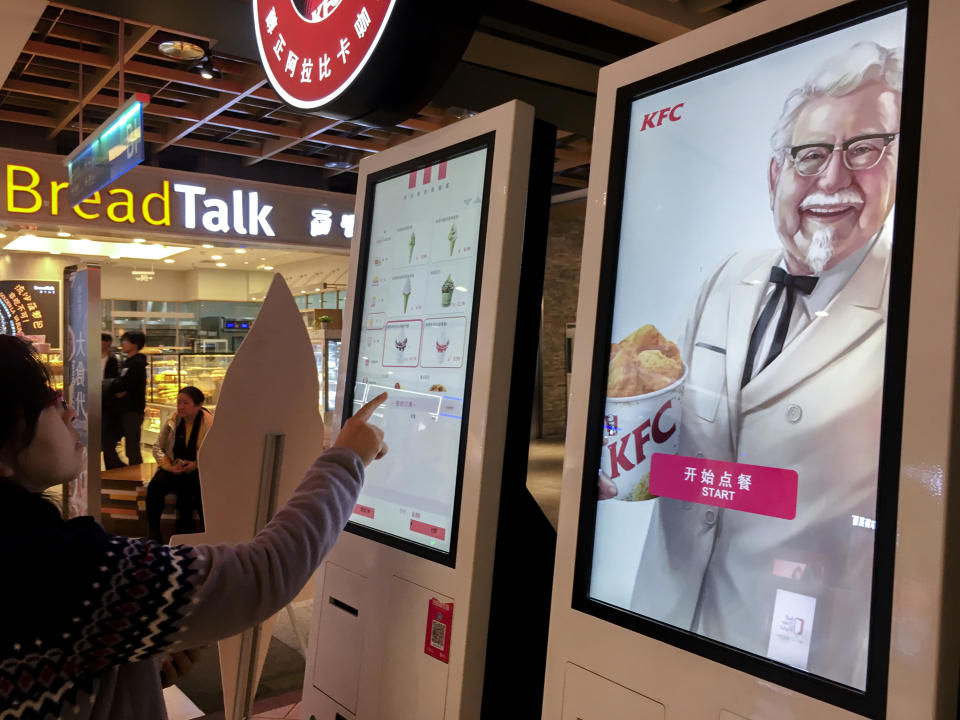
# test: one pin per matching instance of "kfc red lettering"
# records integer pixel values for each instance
(640, 437)
(660, 435)
(618, 458)
(656, 118)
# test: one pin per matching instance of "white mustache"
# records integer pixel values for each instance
(842, 197)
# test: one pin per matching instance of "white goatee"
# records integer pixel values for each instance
(820, 251)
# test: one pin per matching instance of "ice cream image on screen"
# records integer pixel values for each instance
(406, 293)
(452, 237)
(442, 343)
(446, 292)
(413, 242)
(400, 343)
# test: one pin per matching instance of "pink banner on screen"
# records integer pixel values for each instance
(412, 182)
(750, 488)
(442, 171)
(427, 172)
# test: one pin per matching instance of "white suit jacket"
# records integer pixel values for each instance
(815, 409)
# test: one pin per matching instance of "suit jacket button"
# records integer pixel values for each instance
(709, 518)
(794, 413)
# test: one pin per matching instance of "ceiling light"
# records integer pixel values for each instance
(3, 236)
(54, 252)
(207, 246)
(85, 246)
(139, 240)
(338, 164)
(268, 267)
(169, 261)
(263, 258)
(206, 73)
(239, 251)
(303, 292)
(206, 69)
(182, 50)
(63, 234)
(217, 257)
(245, 262)
(316, 289)
(221, 264)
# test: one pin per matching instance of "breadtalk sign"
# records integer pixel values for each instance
(150, 200)
(312, 54)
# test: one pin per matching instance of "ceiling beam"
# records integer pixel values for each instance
(210, 109)
(132, 46)
(308, 130)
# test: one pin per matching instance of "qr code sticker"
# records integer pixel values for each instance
(438, 635)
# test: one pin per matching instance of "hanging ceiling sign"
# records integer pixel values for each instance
(110, 151)
(376, 60)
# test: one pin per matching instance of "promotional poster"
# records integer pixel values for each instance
(418, 302)
(741, 428)
(31, 307)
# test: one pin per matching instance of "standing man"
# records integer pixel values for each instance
(109, 365)
(785, 354)
(130, 392)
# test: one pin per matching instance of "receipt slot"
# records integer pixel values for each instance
(756, 505)
(417, 605)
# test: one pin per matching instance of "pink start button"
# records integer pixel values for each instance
(750, 488)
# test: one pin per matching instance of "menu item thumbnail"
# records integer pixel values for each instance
(413, 244)
(446, 292)
(452, 237)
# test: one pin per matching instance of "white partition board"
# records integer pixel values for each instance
(270, 390)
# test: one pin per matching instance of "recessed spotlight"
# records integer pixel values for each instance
(217, 257)
(316, 289)
(240, 251)
(303, 292)
(63, 234)
(263, 258)
(268, 267)
(139, 240)
(169, 261)
(221, 264)
(208, 246)
(245, 262)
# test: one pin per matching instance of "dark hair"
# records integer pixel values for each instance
(195, 394)
(25, 392)
(106, 337)
(137, 338)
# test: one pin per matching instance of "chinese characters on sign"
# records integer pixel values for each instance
(30, 308)
(311, 58)
(749, 488)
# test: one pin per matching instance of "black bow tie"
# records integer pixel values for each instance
(793, 284)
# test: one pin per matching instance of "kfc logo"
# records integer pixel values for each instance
(656, 118)
(637, 440)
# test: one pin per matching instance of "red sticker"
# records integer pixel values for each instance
(750, 488)
(439, 624)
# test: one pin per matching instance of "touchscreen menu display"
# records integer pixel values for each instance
(418, 300)
(738, 465)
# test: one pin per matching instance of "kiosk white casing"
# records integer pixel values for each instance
(369, 661)
(597, 670)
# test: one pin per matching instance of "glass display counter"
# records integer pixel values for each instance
(53, 361)
(206, 372)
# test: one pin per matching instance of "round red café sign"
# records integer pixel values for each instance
(311, 57)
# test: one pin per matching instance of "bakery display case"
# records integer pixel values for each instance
(52, 359)
(326, 353)
(206, 372)
(163, 378)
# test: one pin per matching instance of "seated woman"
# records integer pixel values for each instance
(176, 453)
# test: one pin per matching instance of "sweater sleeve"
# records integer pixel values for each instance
(263, 575)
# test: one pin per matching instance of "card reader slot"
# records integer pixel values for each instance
(343, 606)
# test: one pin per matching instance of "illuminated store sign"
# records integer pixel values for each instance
(311, 57)
(29, 307)
(153, 200)
(113, 149)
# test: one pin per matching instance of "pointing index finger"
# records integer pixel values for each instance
(366, 411)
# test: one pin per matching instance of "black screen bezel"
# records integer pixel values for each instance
(872, 701)
(480, 142)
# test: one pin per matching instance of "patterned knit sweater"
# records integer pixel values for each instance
(84, 614)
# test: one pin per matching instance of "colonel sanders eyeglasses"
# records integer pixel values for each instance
(859, 153)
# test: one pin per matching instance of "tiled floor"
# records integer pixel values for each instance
(289, 711)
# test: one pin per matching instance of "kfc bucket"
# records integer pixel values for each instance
(642, 413)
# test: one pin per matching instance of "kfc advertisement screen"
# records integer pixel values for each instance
(416, 312)
(737, 471)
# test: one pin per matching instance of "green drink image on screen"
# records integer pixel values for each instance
(452, 237)
(413, 242)
(406, 293)
(446, 292)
